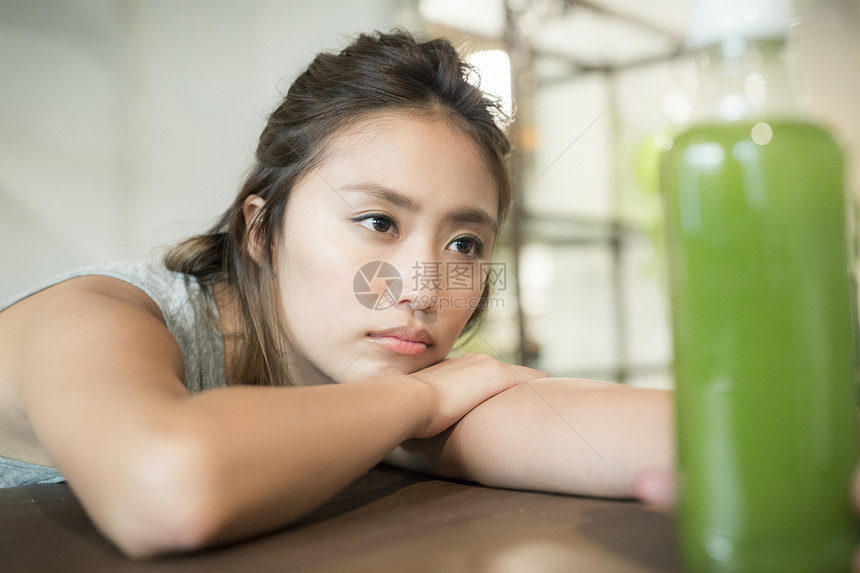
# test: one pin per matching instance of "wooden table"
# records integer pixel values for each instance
(387, 520)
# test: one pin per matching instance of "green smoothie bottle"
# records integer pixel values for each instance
(763, 313)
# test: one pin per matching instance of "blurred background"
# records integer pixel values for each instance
(128, 124)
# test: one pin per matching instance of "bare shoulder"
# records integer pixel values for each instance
(88, 336)
(99, 309)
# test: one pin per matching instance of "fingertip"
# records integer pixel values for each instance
(655, 487)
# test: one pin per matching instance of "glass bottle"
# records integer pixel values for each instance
(762, 311)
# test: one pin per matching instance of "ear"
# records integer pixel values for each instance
(251, 209)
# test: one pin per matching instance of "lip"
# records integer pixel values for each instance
(403, 340)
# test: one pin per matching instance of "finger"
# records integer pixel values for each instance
(656, 487)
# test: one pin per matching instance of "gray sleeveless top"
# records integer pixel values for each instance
(191, 317)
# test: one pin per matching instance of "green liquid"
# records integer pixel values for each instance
(764, 348)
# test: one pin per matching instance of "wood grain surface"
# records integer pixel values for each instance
(387, 520)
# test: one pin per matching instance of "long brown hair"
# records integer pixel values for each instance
(376, 73)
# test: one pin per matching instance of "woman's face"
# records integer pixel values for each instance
(379, 265)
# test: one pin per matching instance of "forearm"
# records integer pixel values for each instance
(238, 461)
(561, 435)
(282, 452)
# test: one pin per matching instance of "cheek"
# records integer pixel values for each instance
(458, 304)
(316, 286)
(464, 284)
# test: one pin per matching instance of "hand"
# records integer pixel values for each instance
(658, 487)
(458, 385)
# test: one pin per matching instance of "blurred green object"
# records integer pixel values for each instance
(764, 347)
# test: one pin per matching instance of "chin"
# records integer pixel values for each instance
(369, 370)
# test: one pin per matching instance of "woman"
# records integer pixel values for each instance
(243, 382)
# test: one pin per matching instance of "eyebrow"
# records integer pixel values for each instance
(389, 195)
(476, 216)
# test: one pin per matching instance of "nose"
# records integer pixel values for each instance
(423, 282)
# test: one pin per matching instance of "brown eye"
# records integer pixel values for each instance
(468, 246)
(378, 223)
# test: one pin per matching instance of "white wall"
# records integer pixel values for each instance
(128, 124)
